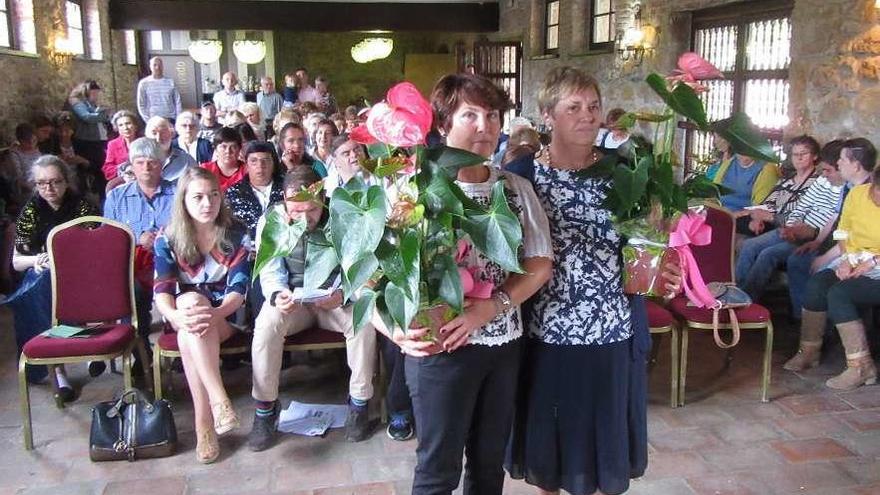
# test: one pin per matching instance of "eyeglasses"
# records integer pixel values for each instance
(42, 184)
(261, 161)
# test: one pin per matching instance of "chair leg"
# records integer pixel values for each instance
(157, 373)
(768, 354)
(673, 380)
(126, 368)
(144, 358)
(25, 404)
(682, 375)
(56, 390)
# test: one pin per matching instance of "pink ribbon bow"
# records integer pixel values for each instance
(471, 286)
(692, 230)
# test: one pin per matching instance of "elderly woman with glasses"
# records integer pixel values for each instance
(54, 202)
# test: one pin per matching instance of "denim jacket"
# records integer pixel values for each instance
(89, 121)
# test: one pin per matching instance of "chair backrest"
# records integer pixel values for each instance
(716, 258)
(92, 271)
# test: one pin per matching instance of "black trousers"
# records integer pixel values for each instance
(463, 403)
(397, 397)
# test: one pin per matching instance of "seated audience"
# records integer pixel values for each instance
(234, 118)
(612, 136)
(325, 132)
(125, 123)
(269, 100)
(250, 198)
(176, 160)
(47, 140)
(351, 119)
(208, 124)
(760, 256)
(25, 151)
(749, 180)
(812, 223)
(227, 167)
(283, 315)
(254, 118)
(522, 142)
(851, 281)
(54, 202)
(723, 154)
(326, 101)
(202, 273)
(78, 164)
(188, 139)
(145, 206)
(310, 123)
(339, 122)
(292, 140)
(345, 164)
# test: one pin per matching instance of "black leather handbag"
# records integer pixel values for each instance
(132, 428)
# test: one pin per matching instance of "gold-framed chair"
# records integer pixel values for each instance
(716, 264)
(86, 292)
(660, 322)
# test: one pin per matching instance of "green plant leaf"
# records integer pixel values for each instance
(379, 150)
(449, 160)
(603, 168)
(400, 263)
(390, 165)
(277, 239)
(400, 307)
(357, 223)
(662, 178)
(745, 139)
(321, 260)
(445, 281)
(439, 198)
(682, 99)
(629, 185)
(362, 310)
(653, 117)
(497, 232)
(359, 273)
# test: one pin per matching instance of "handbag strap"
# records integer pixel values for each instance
(734, 326)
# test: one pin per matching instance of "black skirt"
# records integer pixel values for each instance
(581, 422)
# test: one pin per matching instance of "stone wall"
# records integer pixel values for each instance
(329, 54)
(834, 74)
(36, 84)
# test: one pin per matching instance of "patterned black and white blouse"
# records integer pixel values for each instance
(583, 303)
(536, 243)
(246, 207)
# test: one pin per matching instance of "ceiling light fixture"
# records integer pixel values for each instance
(205, 51)
(371, 49)
(249, 51)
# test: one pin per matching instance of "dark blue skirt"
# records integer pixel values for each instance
(31, 304)
(581, 418)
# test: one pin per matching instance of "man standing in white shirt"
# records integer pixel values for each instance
(157, 96)
(229, 98)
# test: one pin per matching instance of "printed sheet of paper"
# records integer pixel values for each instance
(311, 419)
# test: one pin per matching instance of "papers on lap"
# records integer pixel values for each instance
(311, 296)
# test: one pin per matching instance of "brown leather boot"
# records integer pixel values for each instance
(860, 368)
(812, 327)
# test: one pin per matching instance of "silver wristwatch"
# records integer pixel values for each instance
(503, 299)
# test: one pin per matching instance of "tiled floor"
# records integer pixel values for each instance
(807, 440)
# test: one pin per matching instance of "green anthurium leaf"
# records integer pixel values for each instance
(700, 186)
(379, 150)
(362, 310)
(445, 281)
(682, 99)
(745, 139)
(466, 201)
(629, 185)
(653, 117)
(449, 160)
(400, 263)
(662, 178)
(390, 165)
(369, 164)
(321, 260)
(359, 273)
(626, 121)
(602, 168)
(679, 199)
(439, 198)
(277, 239)
(356, 227)
(496, 232)
(401, 307)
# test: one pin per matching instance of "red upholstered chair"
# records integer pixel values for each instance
(661, 321)
(92, 272)
(716, 265)
(166, 348)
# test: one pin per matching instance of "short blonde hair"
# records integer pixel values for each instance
(563, 81)
(285, 116)
(250, 107)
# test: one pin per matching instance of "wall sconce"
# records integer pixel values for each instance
(63, 52)
(637, 40)
(249, 51)
(205, 51)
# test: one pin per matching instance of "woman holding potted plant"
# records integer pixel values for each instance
(463, 398)
(581, 426)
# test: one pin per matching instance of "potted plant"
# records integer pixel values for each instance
(646, 200)
(398, 238)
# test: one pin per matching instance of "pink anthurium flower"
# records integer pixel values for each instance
(692, 68)
(404, 119)
(361, 135)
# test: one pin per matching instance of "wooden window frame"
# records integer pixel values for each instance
(10, 27)
(547, 26)
(603, 46)
(82, 28)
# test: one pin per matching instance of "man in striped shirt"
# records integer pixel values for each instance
(808, 224)
(157, 96)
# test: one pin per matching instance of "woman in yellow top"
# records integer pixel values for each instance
(851, 281)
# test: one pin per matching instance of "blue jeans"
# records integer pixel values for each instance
(758, 258)
(798, 269)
